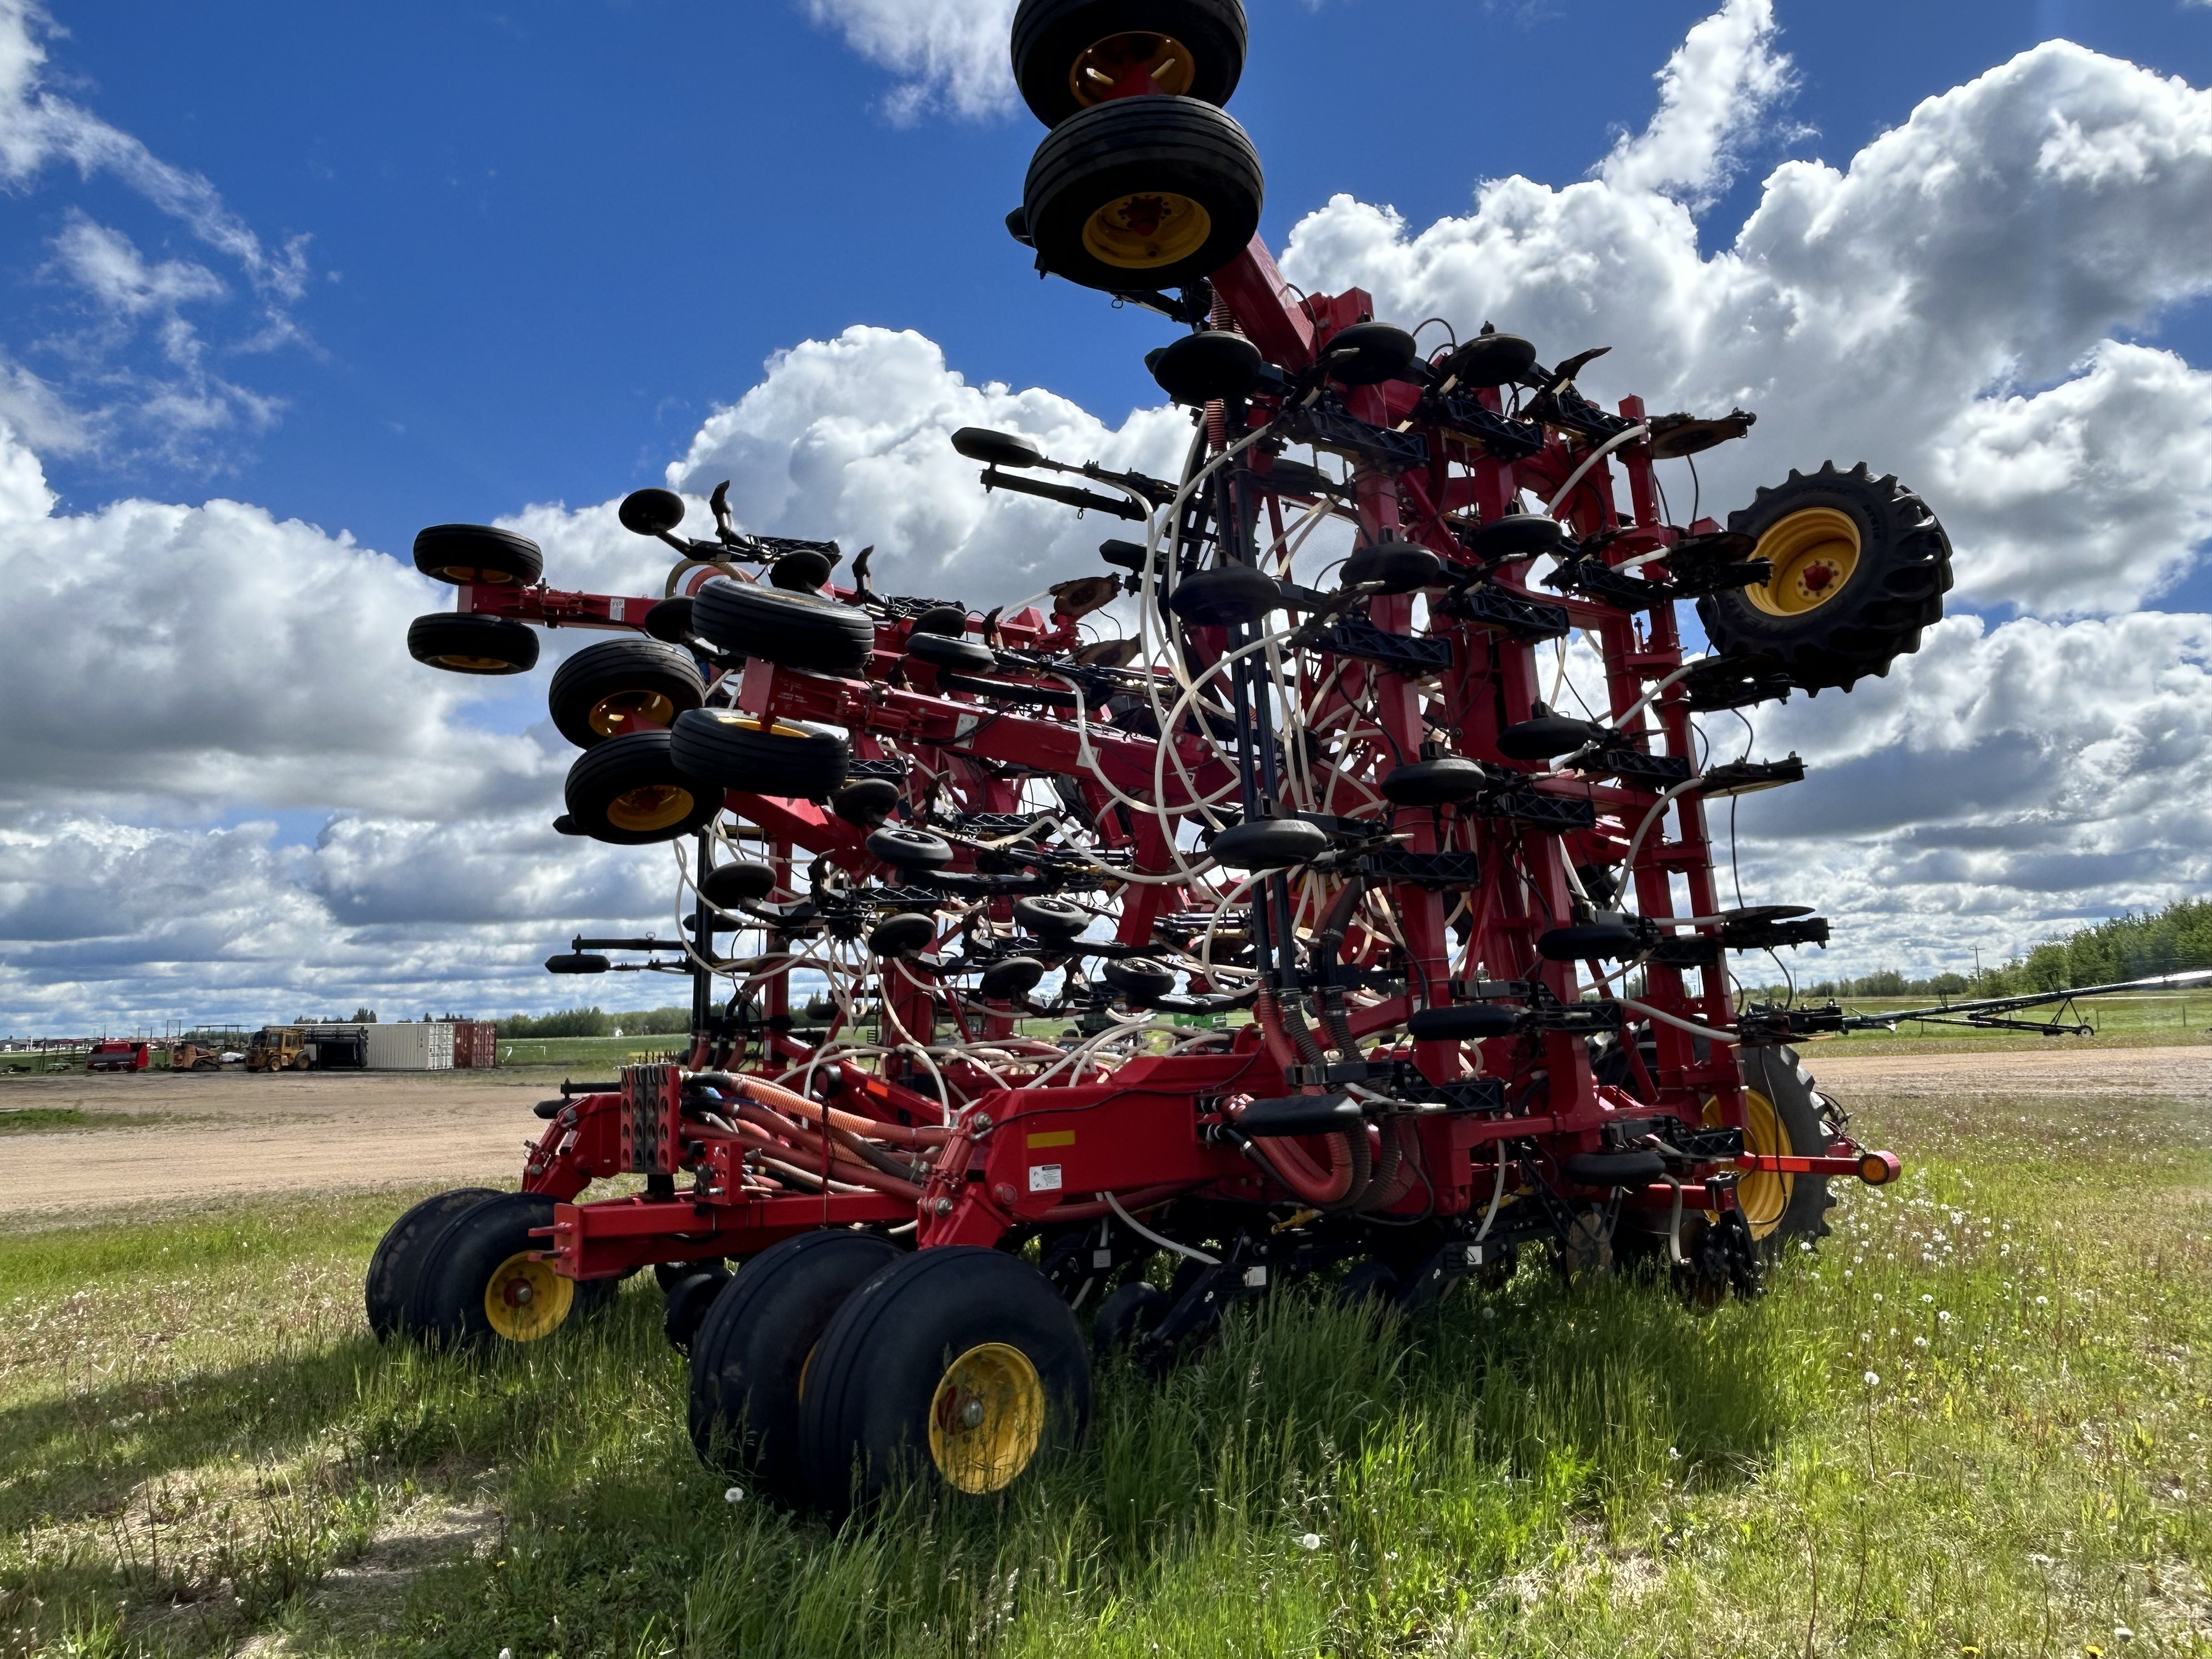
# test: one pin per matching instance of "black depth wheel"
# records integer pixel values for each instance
(1142, 193)
(476, 553)
(616, 679)
(1132, 1311)
(686, 1302)
(778, 625)
(395, 1269)
(469, 644)
(752, 1354)
(1860, 566)
(959, 1366)
(629, 791)
(1784, 1116)
(761, 757)
(1068, 54)
(480, 1285)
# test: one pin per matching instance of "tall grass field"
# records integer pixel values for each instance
(1976, 1423)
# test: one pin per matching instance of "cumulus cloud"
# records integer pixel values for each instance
(1951, 295)
(949, 54)
(1716, 87)
(851, 438)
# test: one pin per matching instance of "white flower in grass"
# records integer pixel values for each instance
(1919, 1341)
(2043, 1302)
(1310, 1541)
(1942, 1316)
(1873, 1380)
(735, 1495)
(2122, 1634)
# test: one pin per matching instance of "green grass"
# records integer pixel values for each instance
(198, 1443)
(25, 1119)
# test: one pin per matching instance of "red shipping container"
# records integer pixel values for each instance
(476, 1044)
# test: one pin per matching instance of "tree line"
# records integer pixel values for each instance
(596, 1022)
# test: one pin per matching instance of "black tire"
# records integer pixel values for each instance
(959, 1366)
(729, 885)
(629, 791)
(1142, 193)
(388, 1290)
(906, 848)
(463, 553)
(1057, 43)
(1128, 1313)
(1368, 1286)
(1781, 1210)
(791, 629)
(753, 1348)
(761, 757)
(469, 644)
(481, 1262)
(685, 1303)
(1860, 567)
(640, 678)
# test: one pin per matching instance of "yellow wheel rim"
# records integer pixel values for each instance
(525, 1299)
(986, 1419)
(1763, 1195)
(650, 806)
(750, 723)
(471, 665)
(1152, 228)
(1165, 58)
(650, 707)
(463, 575)
(1814, 553)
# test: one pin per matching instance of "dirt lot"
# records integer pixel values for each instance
(172, 1140)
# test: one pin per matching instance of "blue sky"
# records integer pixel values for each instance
(358, 269)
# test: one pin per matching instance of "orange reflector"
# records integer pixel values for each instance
(1053, 1138)
(1878, 1169)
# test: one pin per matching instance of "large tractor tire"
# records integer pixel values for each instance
(1068, 54)
(606, 685)
(1786, 1117)
(629, 791)
(478, 554)
(759, 757)
(1142, 192)
(1860, 566)
(477, 1285)
(780, 625)
(958, 1366)
(753, 1353)
(396, 1266)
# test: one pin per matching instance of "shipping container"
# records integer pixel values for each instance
(476, 1044)
(411, 1045)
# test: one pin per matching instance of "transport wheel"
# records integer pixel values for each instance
(468, 644)
(789, 629)
(1068, 54)
(1860, 566)
(1142, 193)
(480, 1286)
(629, 791)
(1784, 1116)
(761, 758)
(476, 553)
(958, 1365)
(394, 1269)
(617, 680)
(754, 1354)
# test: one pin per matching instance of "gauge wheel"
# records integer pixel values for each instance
(780, 625)
(1070, 54)
(597, 693)
(482, 1286)
(1142, 193)
(753, 1357)
(468, 644)
(394, 1269)
(958, 1366)
(1785, 1116)
(629, 791)
(478, 555)
(1859, 566)
(759, 757)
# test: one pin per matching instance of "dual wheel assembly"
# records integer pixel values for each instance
(460, 1270)
(835, 1364)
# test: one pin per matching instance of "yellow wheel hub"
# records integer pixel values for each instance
(649, 806)
(1154, 227)
(471, 665)
(624, 709)
(525, 1299)
(1165, 58)
(1763, 1195)
(1814, 553)
(463, 575)
(986, 1419)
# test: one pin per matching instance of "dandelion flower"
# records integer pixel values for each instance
(1310, 1541)
(735, 1495)
(1873, 1380)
